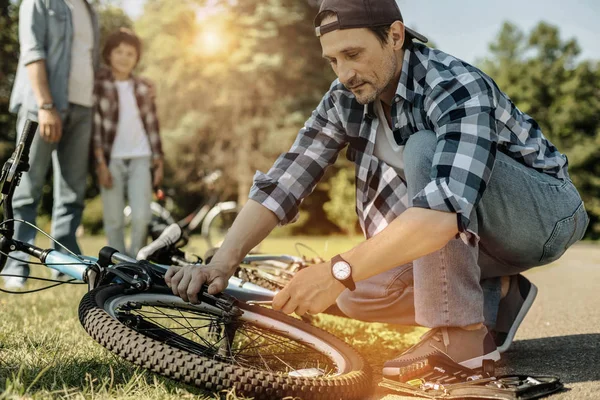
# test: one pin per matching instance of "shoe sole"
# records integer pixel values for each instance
(13, 282)
(473, 363)
(520, 317)
(477, 362)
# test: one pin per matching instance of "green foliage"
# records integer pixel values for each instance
(543, 76)
(341, 207)
(111, 18)
(9, 53)
(235, 81)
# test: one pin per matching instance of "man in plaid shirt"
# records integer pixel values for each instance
(457, 192)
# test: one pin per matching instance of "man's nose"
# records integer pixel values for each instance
(346, 74)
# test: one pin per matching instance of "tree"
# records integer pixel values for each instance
(111, 18)
(542, 75)
(9, 54)
(235, 82)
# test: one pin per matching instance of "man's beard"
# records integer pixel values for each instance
(390, 69)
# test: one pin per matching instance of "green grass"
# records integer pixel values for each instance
(45, 353)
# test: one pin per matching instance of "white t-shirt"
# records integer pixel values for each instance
(131, 140)
(81, 74)
(386, 148)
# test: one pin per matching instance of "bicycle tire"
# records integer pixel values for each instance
(218, 221)
(213, 374)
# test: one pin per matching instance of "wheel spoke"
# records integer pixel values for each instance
(239, 342)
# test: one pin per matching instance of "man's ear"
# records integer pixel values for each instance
(398, 35)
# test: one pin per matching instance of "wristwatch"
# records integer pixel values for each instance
(342, 271)
(47, 106)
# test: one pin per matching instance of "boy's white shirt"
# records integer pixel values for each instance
(131, 140)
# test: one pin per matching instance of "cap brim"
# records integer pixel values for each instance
(415, 35)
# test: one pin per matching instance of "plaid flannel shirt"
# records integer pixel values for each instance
(106, 113)
(472, 120)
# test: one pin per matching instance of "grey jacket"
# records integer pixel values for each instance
(46, 33)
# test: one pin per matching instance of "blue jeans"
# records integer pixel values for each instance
(524, 219)
(131, 178)
(69, 160)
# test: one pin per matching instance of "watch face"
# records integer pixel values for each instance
(341, 270)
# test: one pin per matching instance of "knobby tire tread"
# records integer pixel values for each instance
(214, 375)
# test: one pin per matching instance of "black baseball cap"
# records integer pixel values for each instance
(362, 14)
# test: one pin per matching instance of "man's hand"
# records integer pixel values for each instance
(158, 172)
(104, 176)
(312, 290)
(50, 125)
(186, 282)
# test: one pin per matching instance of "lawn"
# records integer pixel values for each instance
(44, 352)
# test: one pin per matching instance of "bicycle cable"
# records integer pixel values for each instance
(58, 283)
(307, 247)
(29, 262)
(43, 233)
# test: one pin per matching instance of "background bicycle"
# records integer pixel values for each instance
(210, 219)
(220, 343)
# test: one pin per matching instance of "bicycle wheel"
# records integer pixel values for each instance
(261, 353)
(161, 218)
(218, 221)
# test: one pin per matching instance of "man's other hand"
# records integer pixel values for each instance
(50, 125)
(311, 291)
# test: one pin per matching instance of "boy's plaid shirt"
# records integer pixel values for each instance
(471, 117)
(106, 113)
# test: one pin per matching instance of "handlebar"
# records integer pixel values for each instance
(19, 160)
(171, 235)
(9, 179)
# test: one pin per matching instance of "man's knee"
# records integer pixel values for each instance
(352, 305)
(419, 151)
(387, 297)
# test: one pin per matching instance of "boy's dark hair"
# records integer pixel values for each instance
(381, 32)
(123, 35)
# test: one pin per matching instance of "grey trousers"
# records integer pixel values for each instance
(524, 219)
(132, 180)
(70, 166)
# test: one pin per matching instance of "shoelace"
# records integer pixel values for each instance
(435, 333)
(445, 336)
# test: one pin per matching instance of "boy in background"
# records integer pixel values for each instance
(126, 142)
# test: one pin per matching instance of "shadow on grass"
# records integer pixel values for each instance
(79, 376)
(573, 358)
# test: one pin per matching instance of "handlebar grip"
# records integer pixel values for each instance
(170, 236)
(27, 138)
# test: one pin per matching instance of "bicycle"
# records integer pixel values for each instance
(221, 343)
(210, 219)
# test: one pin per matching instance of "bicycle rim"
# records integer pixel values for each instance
(218, 227)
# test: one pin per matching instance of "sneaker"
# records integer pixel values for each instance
(467, 348)
(13, 282)
(512, 310)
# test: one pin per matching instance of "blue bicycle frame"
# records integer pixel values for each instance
(76, 267)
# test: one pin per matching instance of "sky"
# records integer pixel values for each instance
(465, 28)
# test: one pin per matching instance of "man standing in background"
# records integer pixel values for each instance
(59, 41)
